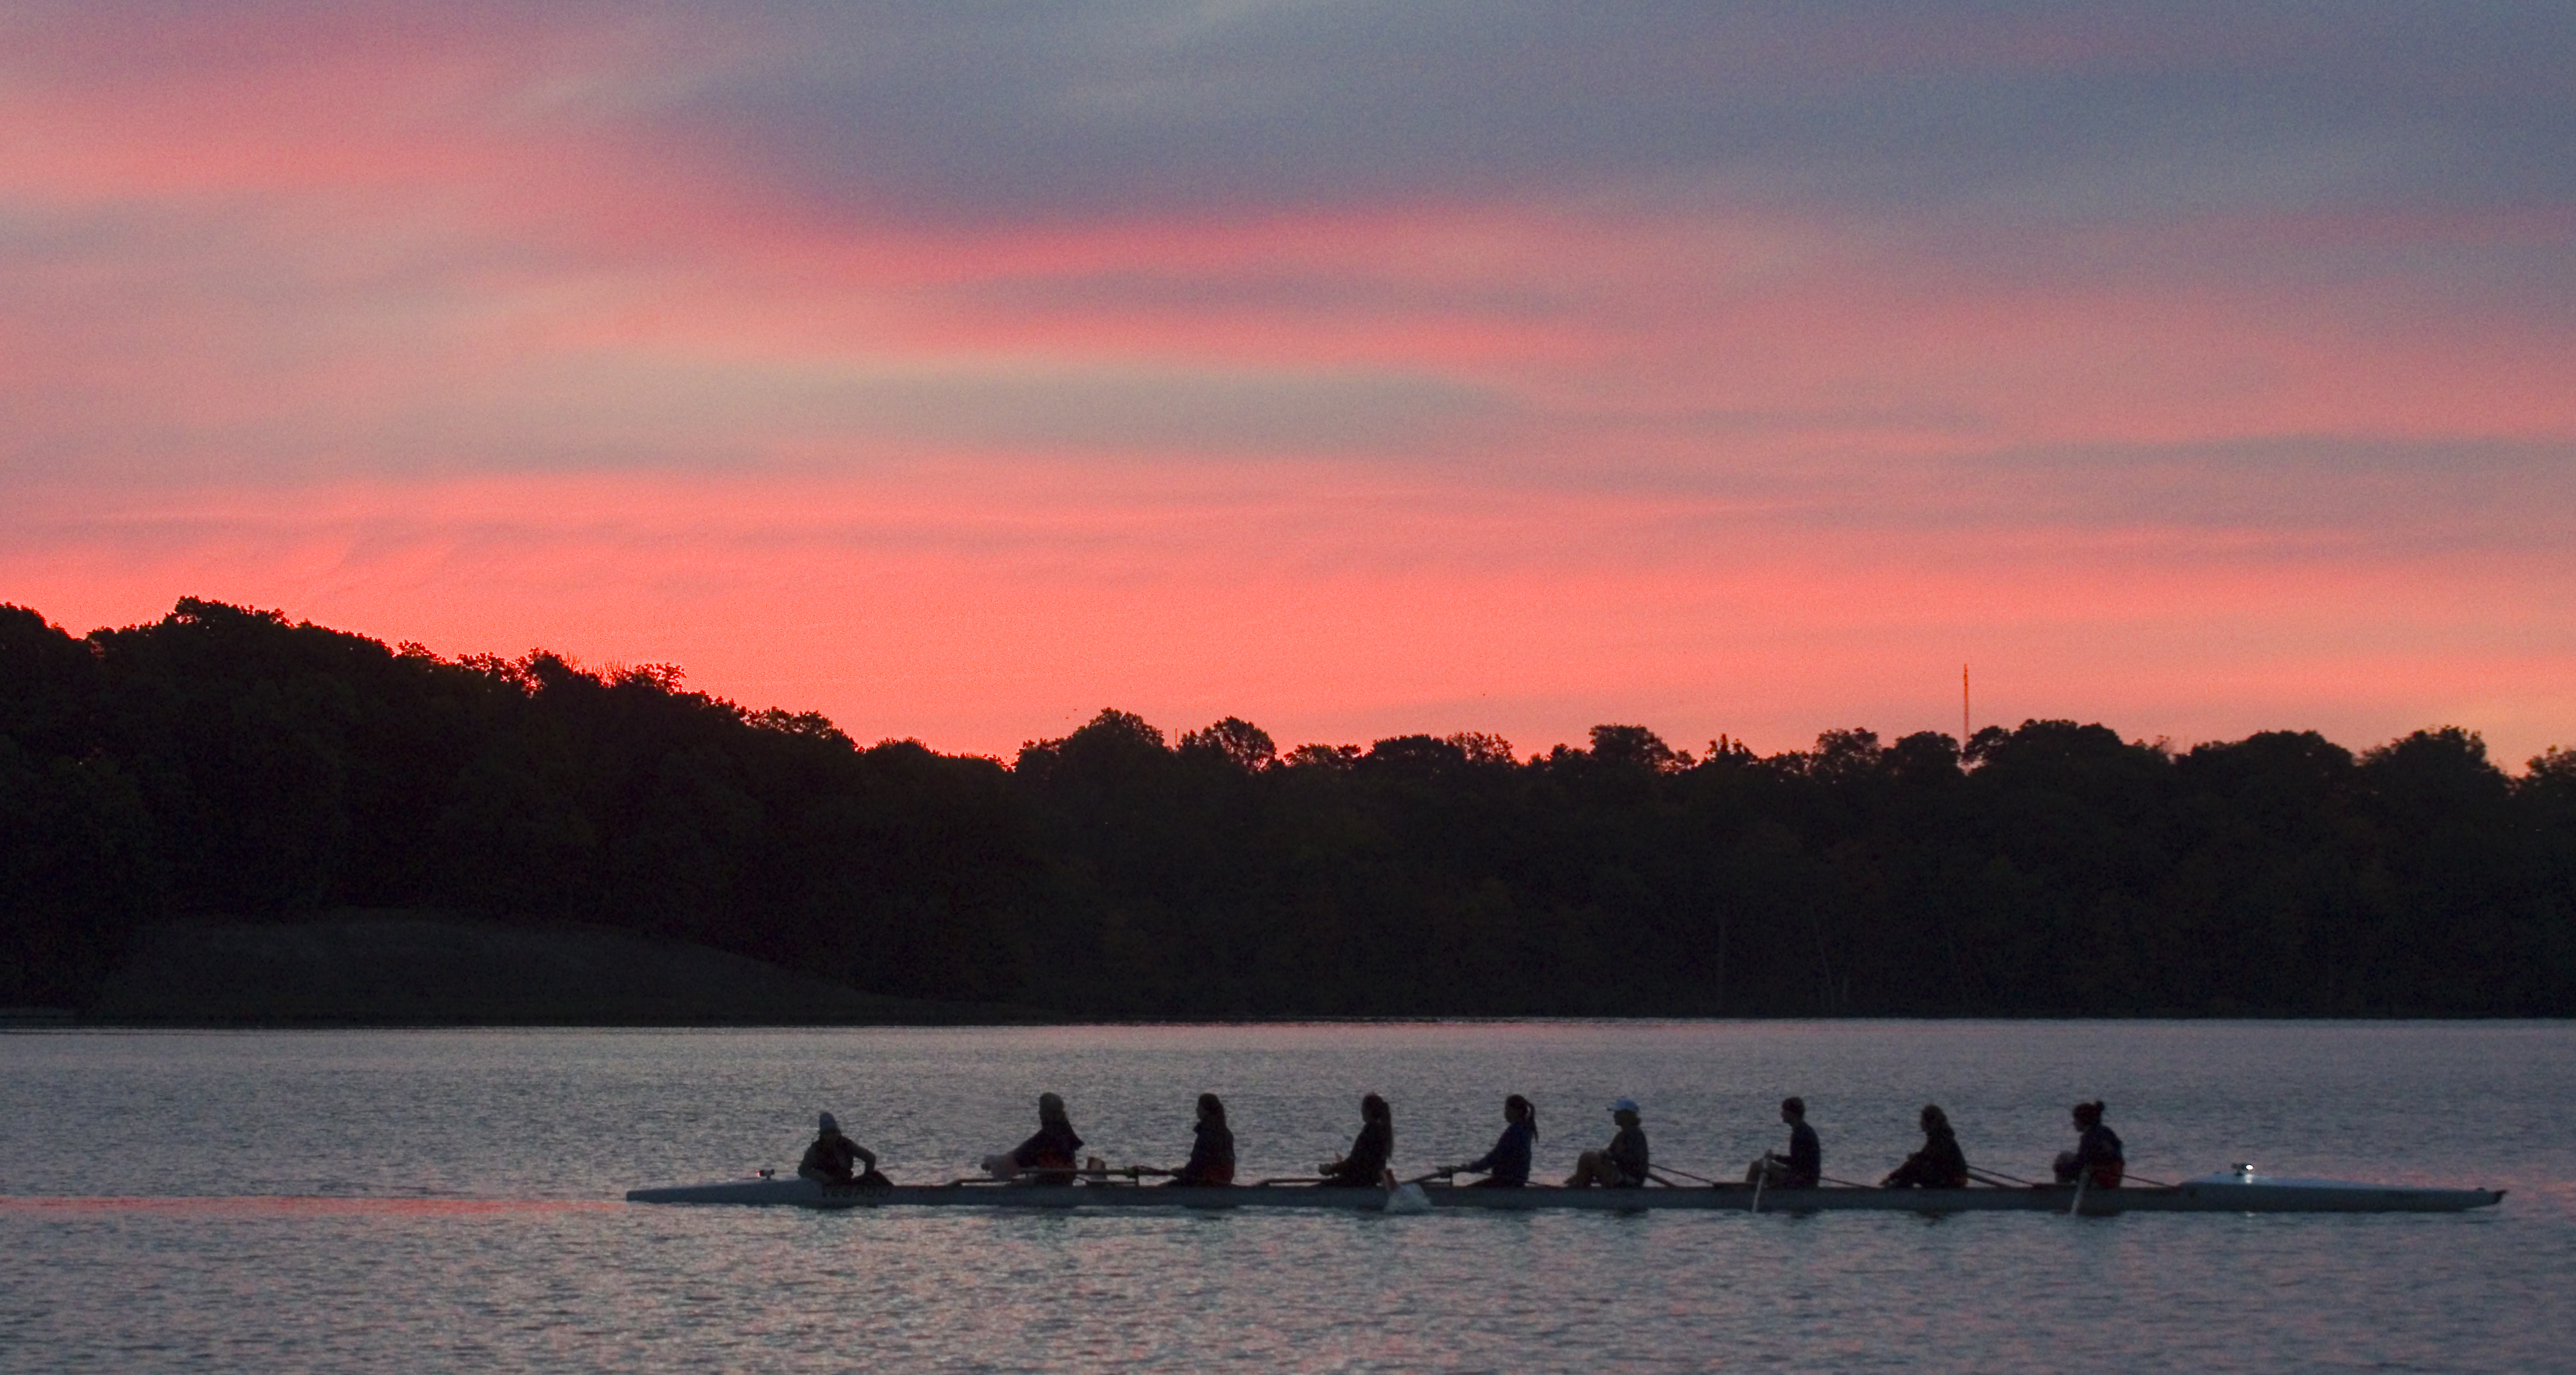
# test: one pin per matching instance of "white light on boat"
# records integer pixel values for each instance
(2244, 1171)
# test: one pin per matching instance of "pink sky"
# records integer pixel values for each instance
(2197, 375)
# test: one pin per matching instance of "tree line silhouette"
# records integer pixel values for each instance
(223, 761)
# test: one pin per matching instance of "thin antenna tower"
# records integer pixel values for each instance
(1963, 708)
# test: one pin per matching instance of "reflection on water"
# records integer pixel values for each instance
(364, 1201)
(254, 1206)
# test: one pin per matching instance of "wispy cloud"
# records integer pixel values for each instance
(2184, 354)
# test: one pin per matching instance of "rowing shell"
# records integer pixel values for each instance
(2230, 1192)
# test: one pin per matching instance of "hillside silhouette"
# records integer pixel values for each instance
(225, 763)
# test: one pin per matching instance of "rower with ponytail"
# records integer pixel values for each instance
(1507, 1165)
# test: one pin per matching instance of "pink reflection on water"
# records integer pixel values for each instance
(289, 1206)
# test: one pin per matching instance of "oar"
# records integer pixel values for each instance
(1761, 1177)
(1700, 1178)
(1290, 1179)
(2082, 1177)
(2150, 1183)
(1843, 1183)
(1998, 1179)
(1443, 1173)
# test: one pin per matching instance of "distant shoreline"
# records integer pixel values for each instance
(406, 969)
(389, 968)
(227, 768)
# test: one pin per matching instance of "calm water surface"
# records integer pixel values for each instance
(359, 1201)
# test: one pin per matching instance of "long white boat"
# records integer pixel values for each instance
(2234, 1191)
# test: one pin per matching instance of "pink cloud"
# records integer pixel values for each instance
(432, 332)
(437, 211)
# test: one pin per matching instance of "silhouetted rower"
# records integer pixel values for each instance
(1939, 1165)
(1211, 1147)
(1045, 1158)
(2097, 1159)
(1507, 1165)
(1804, 1167)
(1623, 1163)
(1364, 1166)
(836, 1159)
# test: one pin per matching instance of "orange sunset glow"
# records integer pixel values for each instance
(1358, 371)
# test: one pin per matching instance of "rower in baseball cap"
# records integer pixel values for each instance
(1623, 1163)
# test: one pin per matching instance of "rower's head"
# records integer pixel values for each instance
(2089, 1114)
(1793, 1109)
(1518, 1109)
(1624, 1112)
(1211, 1109)
(1933, 1118)
(828, 1126)
(1050, 1108)
(1374, 1109)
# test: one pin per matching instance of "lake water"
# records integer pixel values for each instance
(361, 1201)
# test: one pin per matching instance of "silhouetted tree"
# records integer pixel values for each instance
(226, 761)
(1636, 746)
(1240, 743)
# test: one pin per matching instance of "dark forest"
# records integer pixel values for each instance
(224, 762)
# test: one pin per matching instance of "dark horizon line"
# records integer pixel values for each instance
(672, 677)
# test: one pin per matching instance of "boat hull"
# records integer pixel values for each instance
(2219, 1194)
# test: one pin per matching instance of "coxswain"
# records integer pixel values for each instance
(1046, 1158)
(1211, 1149)
(2097, 1159)
(1507, 1165)
(1939, 1165)
(1364, 1167)
(1805, 1166)
(1623, 1163)
(836, 1159)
